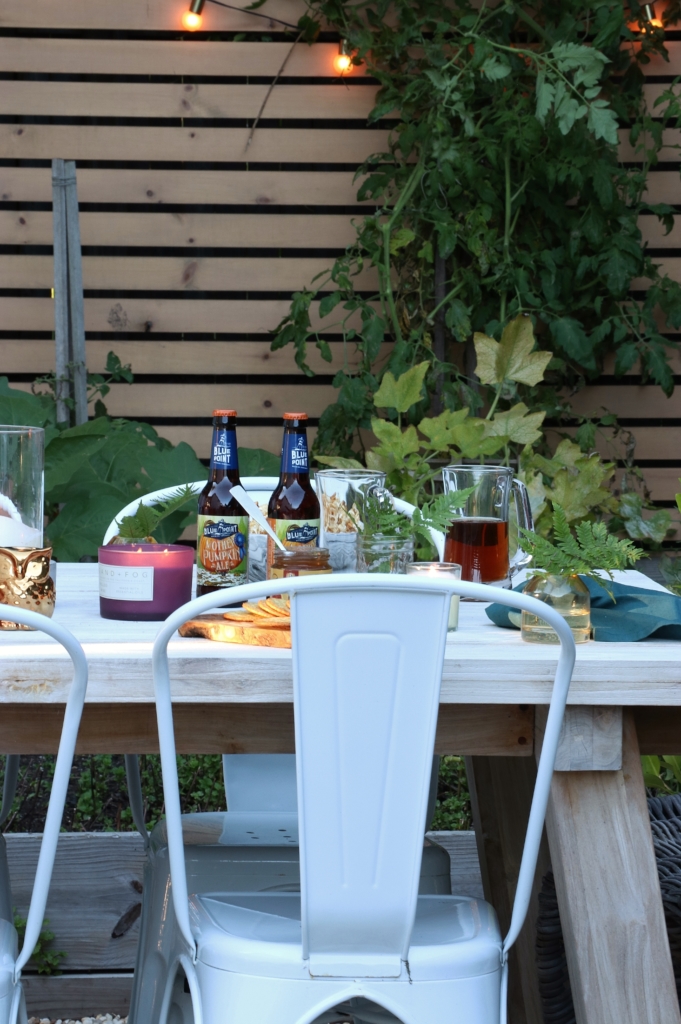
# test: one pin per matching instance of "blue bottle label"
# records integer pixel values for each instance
(224, 451)
(294, 454)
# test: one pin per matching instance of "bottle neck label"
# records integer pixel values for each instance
(224, 452)
(294, 454)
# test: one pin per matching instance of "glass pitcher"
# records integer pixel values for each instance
(478, 538)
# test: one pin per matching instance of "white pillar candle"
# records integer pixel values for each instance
(451, 570)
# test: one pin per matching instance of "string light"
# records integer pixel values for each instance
(649, 10)
(191, 19)
(342, 62)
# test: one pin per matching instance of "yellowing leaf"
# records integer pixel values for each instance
(441, 430)
(518, 424)
(486, 349)
(579, 491)
(512, 358)
(393, 441)
(404, 392)
(339, 462)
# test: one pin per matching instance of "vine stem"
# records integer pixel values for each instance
(278, 75)
(507, 225)
(386, 230)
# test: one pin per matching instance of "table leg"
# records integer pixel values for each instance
(609, 894)
(501, 792)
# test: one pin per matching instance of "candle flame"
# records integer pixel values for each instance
(191, 21)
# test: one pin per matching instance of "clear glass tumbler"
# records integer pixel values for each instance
(22, 456)
(380, 553)
(449, 570)
(340, 493)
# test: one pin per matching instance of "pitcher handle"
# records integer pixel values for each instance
(524, 516)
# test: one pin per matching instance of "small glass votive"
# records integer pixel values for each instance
(450, 570)
(144, 582)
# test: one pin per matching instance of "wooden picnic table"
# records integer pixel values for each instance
(625, 699)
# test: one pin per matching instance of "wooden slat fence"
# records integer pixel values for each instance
(192, 242)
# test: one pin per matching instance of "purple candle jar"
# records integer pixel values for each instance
(144, 582)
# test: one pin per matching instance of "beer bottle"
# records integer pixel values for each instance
(222, 525)
(293, 511)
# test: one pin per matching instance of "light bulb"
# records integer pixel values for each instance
(342, 62)
(191, 21)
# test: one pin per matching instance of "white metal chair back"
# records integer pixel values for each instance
(367, 665)
(368, 683)
(266, 484)
(60, 782)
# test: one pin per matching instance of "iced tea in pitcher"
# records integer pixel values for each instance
(478, 539)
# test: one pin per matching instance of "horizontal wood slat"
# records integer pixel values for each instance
(130, 185)
(115, 142)
(627, 400)
(181, 357)
(199, 438)
(97, 878)
(156, 15)
(184, 57)
(489, 729)
(133, 99)
(147, 316)
(187, 400)
(671, 138)
(651, 443)
(187, 230)
(151, 273)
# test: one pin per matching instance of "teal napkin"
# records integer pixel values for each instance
(639, 614)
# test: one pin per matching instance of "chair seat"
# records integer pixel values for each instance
(260, 933)
(233, 828)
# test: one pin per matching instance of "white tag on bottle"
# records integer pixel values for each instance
(126, 582)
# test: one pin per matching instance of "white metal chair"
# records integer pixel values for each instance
(367, 662)
(12, 1003)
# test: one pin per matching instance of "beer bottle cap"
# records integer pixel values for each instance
(224, 412)
(295, 415)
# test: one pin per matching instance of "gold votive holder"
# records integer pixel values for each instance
(25, 582)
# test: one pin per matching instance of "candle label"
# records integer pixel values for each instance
(224, 451)
(126, 582)
(222, 549)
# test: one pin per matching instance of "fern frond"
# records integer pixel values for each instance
(147, 517)
(590, 549)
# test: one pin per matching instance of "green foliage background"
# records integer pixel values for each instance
(501, 193)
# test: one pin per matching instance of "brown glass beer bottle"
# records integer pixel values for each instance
(222, 524)
(293, 511)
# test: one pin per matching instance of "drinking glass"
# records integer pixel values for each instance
(440, 569)
(477, 538)
(380, 553)
(21, 486)
(341, 492)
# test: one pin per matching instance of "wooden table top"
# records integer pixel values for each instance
(483, 665)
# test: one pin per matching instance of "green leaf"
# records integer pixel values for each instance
(653, 527)
(400, 238)
(404, 392)
(393, 441)
(441, 430)
(258, 462)
(517, 424)
(80, 526)
(329, 303)
(66, 454)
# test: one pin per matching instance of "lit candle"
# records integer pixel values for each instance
(441, 569)
(144, 582)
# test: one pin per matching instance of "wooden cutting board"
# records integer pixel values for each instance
(216, 627)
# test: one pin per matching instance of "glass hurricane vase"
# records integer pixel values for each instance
(567, 595)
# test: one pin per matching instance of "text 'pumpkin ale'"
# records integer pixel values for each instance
(293, 511)
(222, 525)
